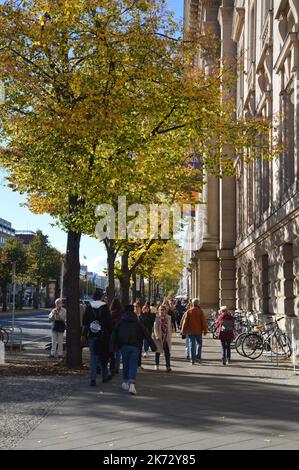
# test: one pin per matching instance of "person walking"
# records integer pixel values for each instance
(117, 311)
(195, 325)
(58, 319)
(148, 319)
(163, 336)
(128, 337)
(225, 326)
(97, 329)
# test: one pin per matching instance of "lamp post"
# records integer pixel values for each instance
(13, 300)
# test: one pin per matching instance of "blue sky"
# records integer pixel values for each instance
(22, 219)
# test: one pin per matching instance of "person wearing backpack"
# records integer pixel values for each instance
(97, 329)
(128, 337)
(225, 325)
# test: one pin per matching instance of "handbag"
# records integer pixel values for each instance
(59, 326)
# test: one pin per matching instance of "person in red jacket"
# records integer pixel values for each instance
(225, 326)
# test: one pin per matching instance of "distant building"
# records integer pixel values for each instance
(25, 236)
(6, 231)
(101, 282)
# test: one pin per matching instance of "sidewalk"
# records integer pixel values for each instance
(247, 405)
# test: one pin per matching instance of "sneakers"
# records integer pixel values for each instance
(132, 389)
(125, 386)
(92, 383)
(224, 362)
(156, 367)
(145, 354)
(168, 369)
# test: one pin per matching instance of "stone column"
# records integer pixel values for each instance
(207, 260)
(227, 186)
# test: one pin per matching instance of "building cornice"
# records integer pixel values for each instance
(284, 215)
(238, 23)
(291, 39)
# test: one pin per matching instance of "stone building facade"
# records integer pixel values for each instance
(249, 258)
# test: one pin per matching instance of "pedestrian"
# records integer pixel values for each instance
(195, 325)
(163, 336)
(128, 337)
(225, 326)
(117, 311)
(180, 312)
(138, 311)
(148, 319)
(58, 319)
(82, 308)
(97, 329)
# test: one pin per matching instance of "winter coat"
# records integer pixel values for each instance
(225, 326)
(116, 316)
(57, 314)
(194, 322)
(158, 333)
(148, 319)
(99, 311)
(130, 331)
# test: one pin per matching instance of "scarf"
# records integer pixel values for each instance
(164, 327)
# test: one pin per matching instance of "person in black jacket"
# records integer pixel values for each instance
(97, 328)
(129, 335)
(148, 319)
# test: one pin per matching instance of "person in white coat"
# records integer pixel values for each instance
(58, 319)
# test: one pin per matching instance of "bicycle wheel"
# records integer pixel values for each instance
(281, 345)
(4, 336)
(238, 343)
(252, 346)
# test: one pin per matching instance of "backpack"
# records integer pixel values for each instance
(96, 327)
(227, 325)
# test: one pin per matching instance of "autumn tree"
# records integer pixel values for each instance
(102, 99)
(44, 263)
(13, 251)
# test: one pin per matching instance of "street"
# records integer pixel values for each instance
(35, 326)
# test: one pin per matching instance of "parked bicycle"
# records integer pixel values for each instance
(4, 335)
(269, 338)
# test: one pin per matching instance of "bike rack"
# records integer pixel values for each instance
(12, 333)
(294, 345)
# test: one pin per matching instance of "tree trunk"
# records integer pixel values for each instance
(4, 296)
(110, 264)
(125, 279)
(73, 348)
(134, 288)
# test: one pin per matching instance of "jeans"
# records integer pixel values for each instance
(115, 360)
(145, 345)
(130, 356)
(166, 354)
(225, 349)
(96, 360)
(195, 345)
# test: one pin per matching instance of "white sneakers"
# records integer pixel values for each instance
(132, 389)
(129, 388)
(125, 386)
(144, 354)
(156, 367)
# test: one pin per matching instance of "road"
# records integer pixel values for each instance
(35, 326)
